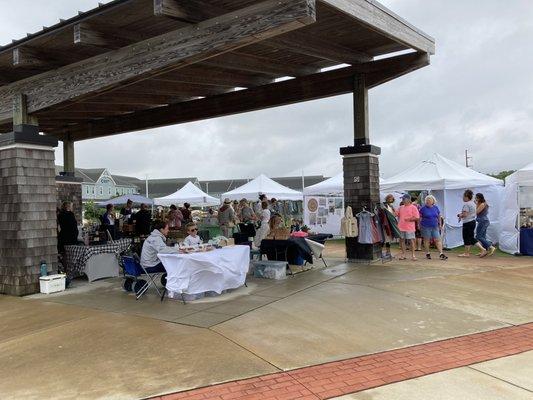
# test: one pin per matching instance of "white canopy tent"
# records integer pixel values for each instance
(518, 195)
(189, 193)
(263, 185)
(330, 189)
(447, 180)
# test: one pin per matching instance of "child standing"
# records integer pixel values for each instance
(193, 240)
(408, 216)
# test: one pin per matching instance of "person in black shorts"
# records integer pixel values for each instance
(468, 217)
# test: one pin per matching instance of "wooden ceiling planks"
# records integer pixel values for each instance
(335, 38)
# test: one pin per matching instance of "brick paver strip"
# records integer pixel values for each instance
(338, 378)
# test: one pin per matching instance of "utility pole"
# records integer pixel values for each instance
(468, 160)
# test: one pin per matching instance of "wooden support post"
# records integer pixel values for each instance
(20, 112)
(360, 111)
(68, 157)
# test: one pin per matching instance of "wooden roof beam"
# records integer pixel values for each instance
(104, 36)
(164, 87)
(25, 57)
(381, 19)
(189, 11)
(311, 87)
(297, 42)
(256, 64)
(160, 54)
(204, 75)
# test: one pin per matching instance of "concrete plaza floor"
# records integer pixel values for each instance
(501, 379)
(95, 341)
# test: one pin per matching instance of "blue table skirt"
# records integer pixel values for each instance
(526, 241)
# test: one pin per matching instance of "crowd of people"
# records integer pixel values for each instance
(424, 224)
(265, 215)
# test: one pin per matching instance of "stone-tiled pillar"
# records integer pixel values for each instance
(361, 189)
(28, 198)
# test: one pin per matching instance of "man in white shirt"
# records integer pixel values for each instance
(155, 244)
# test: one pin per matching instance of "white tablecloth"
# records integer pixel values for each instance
(215, 271)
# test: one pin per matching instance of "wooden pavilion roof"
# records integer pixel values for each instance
(138, 64)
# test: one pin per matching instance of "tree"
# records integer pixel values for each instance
(502, 174)
(92, 212)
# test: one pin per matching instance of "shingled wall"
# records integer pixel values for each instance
(28, 229)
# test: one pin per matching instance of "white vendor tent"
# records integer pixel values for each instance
(518, 196)
(135, 198)
(447, 180)
(262, 185)
(189, 193)
(330, 187)
(331, 194)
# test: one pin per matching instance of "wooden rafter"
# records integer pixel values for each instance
(379, 18)
(104, 36)
(308, 45)
(306, 88)
(190, 11)
(160, 54)
(204, 75)
(243, 62)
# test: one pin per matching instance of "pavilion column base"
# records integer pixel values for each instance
(28, 198)
(361, 190)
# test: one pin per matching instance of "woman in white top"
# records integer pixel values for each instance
(264, 229)
(468, 217)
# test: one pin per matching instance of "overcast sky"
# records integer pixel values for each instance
(476, 95)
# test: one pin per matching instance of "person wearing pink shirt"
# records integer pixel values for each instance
(408, 216)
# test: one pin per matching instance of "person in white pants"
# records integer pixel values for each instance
(263, 231)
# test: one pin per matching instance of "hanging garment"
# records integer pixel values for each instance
(349, 226)
(380, 237)
(385, 226)
(393, 223)
(365, 228)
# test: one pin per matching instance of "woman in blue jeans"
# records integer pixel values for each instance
(483, 222)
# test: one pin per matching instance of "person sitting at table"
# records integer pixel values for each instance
(193, 240)
(155, 244)
(68, 227)
(175, 218)
(127, 211)
(108, 221)
(143, 220)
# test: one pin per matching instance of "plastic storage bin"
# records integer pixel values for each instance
(52, 283)
(270, 269)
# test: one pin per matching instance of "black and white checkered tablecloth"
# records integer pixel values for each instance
(76, 257)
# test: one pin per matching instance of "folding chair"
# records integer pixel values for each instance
(317, 249)
(133, 270)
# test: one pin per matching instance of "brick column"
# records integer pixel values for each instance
(361, 189)
(28, 198)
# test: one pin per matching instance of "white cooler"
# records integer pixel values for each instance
(52, 283)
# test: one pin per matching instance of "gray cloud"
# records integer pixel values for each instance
(476, 95)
